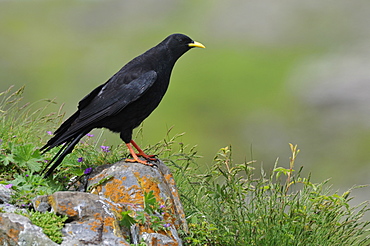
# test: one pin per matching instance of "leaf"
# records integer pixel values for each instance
(6, 159)
(141, 217)
(149, 202)
(26, 157)
(127, 220)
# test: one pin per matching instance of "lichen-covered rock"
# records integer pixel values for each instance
(41, 203)
(129, 182)
(94, 218)
(127, 185)
(16, 229)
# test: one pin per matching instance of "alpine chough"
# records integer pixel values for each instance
(124, 101)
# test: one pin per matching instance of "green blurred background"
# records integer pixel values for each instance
(273, 73)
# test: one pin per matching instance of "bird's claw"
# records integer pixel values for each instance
(147, 157)
(144, 162)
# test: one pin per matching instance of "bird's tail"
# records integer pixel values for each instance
(63, 152)
(61, 135)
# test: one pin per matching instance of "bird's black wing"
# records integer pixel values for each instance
(106, 100)
(112, 97)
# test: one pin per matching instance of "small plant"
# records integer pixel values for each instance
(28, 186)
(21, 158)
(50, 223)
(280, 209)
(201, 232)
(23, 130)
(153, 216)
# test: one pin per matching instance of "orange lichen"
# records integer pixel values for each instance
(68, 209)
(169, 178)
(108, 222)
(148, 184)
(143, 228)
(156, 241)
(95, 225)
(112, 190)
(13, 233)
(116, 192)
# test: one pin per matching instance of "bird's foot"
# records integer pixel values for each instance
(141, 153)
(147, 157)
(146, 163)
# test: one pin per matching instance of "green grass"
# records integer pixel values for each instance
(50, 223)
(238, 205)
(227, 204)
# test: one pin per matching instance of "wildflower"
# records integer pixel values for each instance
(105, 148)
(90, 135)
(80, 159)
(167, 225)
(27, 175)
(8, 186)
(88, 170)
(49, 132)
(162, 206)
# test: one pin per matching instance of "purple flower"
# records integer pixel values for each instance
(90, 135)
(1, 141)
(49, 132)
(162, 206)
(105, 149)
(167, 225)
(27, 175)
(80, 159)
(88, 170)
(8, 186)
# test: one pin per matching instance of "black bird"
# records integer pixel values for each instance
(124, 101)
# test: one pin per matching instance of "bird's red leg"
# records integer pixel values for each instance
(134, 156)
(141, 152)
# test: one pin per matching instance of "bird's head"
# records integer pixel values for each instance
(180, 43)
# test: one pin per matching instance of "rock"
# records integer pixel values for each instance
(94, 218)
(8, 208)
(5, 193)
(130, 181)
(16, 229)
(5, 196)
(41, 203)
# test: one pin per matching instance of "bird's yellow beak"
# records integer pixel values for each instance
(196, 44)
